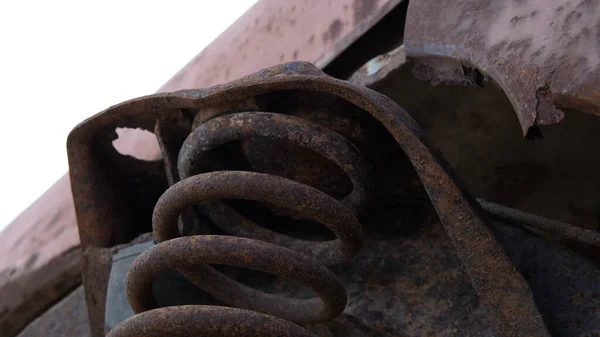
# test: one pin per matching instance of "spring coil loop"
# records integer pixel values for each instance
(247, 244)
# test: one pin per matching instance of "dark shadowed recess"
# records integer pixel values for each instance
(385, 35)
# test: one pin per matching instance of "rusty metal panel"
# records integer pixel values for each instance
(273, 32)
(544, 54)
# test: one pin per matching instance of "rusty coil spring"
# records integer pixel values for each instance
(247, 244)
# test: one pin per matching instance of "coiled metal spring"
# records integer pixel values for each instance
(247, 244)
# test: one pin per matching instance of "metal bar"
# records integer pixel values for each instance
(564, 229)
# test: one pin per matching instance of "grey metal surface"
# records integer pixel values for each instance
(117, 307)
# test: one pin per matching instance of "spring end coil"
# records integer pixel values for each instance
(206, 321)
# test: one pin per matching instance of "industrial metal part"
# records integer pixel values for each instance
(231, 112)
(543, 54)
(565, 230)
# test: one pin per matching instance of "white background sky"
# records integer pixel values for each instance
(62, 61)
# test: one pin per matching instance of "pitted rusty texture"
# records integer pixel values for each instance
(282, 192)
(191, 254)
(282, 128)
(209, 321)
(501, 288)
(544, 54)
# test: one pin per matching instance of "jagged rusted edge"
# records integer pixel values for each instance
(544, 56)
(501, 288)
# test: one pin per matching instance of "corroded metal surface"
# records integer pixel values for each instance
(306, 200)
(437, 297)
(545, 54)
(565, 285)
(207, 321)
(316, 31)
(478, 132)
(567, 231)
(570, 18)
(283, 129)
(191, 254)
(313, 30)
(397, 286)
(500, 287)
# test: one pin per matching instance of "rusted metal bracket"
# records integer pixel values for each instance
(545, 55)
(116, 196)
